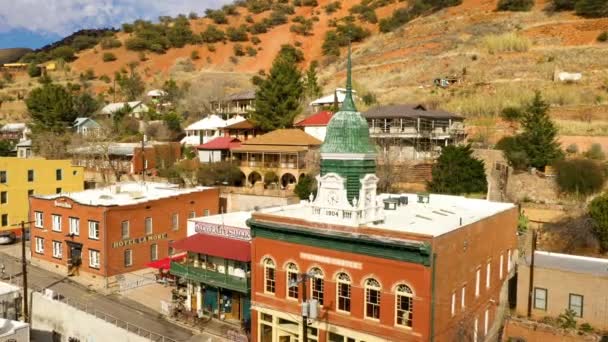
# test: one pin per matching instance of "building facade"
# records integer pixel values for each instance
(562, 282)
(23, 177)
(101, 233)
(377, 267)
(217, 268)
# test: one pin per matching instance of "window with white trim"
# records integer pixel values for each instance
(486, 322)
(94, 230)
(206, 212)
(74, 223)
(372, 299)
(56, 221)
(192, 214)
(57, 250)
(575, 303)
(291, 273)
(128, 256)
(175, 221)
(540, 298)
(343, 283)
(477, 280)
(453, 306)
(463, 293)
(125, 229)
(153, 252)
(488, 273)
(39, 245)
(269, 276)
(404, 300)
(500, 267)
(38, 219)
(317, 285)
(148, 225)
(94, 258)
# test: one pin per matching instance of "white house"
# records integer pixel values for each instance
(328, 101)
(86, 126)
(207, 129)
(316, 124)
(137, 108)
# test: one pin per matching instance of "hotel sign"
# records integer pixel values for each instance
(329, 260)
(222, 230)
(136, 241)
(63, 204)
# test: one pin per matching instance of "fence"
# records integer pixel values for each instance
(91, 310)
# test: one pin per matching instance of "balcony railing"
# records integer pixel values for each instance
(222, 280)
(272, 164)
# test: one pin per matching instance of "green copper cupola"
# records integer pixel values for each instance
(347, 149)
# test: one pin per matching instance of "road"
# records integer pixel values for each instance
(118, 306)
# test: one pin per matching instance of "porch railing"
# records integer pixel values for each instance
(223, 280)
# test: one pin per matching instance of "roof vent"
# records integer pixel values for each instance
(423, 198)
(390, 203)
(403, 200)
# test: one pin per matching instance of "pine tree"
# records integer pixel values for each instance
(458, 172)
(311, 86)
(539, 136)
(51, 107)
(277, 98)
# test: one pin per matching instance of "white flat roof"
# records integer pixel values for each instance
(441, 215)
(126, 193)
(236, 219)
(8, 327)
(6, 288)
(571, 263)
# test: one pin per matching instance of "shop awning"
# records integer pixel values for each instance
(165, 263)
(216, 246)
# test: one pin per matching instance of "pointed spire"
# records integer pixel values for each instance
(349, 104)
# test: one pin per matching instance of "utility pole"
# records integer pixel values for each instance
(531, 280)
(305, 308)
(26, 315)
(143, 158)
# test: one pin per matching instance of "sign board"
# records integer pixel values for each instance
(63, 204)
(222, 230)
(331, 261)
(139, 240)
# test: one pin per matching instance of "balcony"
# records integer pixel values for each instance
(222, 280)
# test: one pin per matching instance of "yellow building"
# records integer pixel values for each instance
(21, 177)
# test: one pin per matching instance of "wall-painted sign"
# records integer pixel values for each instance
(222, 230)
(62, 204)
(136, 241)
(332, 261)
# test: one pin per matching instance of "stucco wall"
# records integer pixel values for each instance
(70, 322)
(246, 202)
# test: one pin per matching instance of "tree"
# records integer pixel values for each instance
(598, 210)
(539, 136)
(515, 5)
(592, 8)
(51, 107)
(277, 100)
(173, 122)
(131, 85)
(306, 185)
(85, 104)
(311, 85)
(33, 70)
(580, 176)
(6, 148)
(458, 172)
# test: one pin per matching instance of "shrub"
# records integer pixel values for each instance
(564, 5)
(598, 210)
(82, 42)
(251, 51)
(33, 70)
(127, 28)
(230, 10)
(237, 34)
(595, 152)
(369, 98)
(398, 19)
(259, 27)
(249, 19)
(277, 18)
(603, 37)
(270, 178)
(105, 78)
(212, 34)
(580, 176)
(306, 185)
(193, 15)
(255, 40)
(514, 152)
(211, 48)
(586, 327)
(592, 8)
(506, 42)
(110, 43)
(572, 149)
(258, 6)
(108, 57)
(135, 44)
(341, 36)
(65, 53)
(217, 16)
(194, 55)
(332, 7)
(222, 173)
(515, 5)
(511, 114)
(238, 50)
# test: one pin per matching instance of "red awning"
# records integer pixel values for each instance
(165, 263)
(216, 246)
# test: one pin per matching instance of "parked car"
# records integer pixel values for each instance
(6, 238)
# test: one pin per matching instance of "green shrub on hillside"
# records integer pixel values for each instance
(238, 34)
(127, 28)
(332, 7)
(564, 5)
(218, 16)
(341, 36)
(603, 37)
(277, 18)
(515, 5)
(84, 42)
(110, 43)
(598, 210)
(595, 152)
(238, 50)
(580, 176)
(65, 53)
(259, 27)
(258, 6)
(592, 8)
(108, 57)
(213, 34)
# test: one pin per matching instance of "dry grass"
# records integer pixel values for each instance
(506, 42)
(578, 127)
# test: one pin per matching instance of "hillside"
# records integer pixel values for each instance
(501, 58)
(12, 55)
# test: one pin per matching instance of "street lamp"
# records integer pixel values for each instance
(309, 307)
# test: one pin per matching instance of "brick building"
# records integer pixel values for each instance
(101, 233)
(378, 267)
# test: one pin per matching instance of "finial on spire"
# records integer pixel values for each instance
(349, 104)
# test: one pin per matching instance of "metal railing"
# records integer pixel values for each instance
(129, 327)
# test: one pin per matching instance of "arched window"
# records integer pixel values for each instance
(269, 276)
(317, 284)
(372, 299)
(292, 280)
(404, 301)
(343, 284)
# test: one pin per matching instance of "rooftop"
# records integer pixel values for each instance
(8, 327)
(221, 143)
(318, 119)
(237, 219)
(212, 122)
(242, 95)
(125, 193)
(245, 124)
(13, 127)
(408, 110)
(280, 140)
(136, 106)
(6, 288)
(442, 214)
(339, 95)
(116, 149)
(571, 263)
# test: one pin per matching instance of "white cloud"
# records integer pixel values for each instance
(62, 17)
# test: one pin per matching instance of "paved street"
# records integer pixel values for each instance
(118, 306)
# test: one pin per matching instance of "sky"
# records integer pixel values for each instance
(35, 23)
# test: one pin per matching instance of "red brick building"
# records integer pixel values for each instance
(105, 232)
